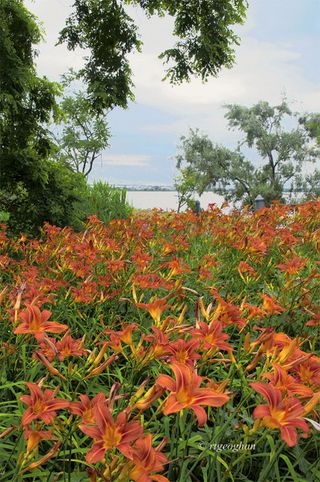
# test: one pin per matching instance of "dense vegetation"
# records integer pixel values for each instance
(163, 347)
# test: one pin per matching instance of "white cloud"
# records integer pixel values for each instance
(263, 70)
(126, 160)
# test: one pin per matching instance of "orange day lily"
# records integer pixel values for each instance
(34, 437)
(282, 380)
(293, 265)
(284, 414)
(155, 308)
(68, 346)
(182, 351)
(227, 313)
(308, 371)
(270, 306)
(85, 407)
(211, 336)
(109, 433)
(186, 392)
(36, 322)
(160, 342)
(42, 405)
(147, 461)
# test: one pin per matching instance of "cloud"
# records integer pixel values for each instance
(126, 160)
(263, 70)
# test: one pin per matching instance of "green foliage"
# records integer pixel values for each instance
(84, 134)
(33, 188)
(105, 202)
(284, 155)
(4, 216)
(110, 34)
(312, 123)
(205, 45)
(54, 201)
(185, 186)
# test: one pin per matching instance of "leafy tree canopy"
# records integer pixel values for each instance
(33, 189)
(204, 29)
(284, 156)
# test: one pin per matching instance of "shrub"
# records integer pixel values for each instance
(104, 201)
(54, 201)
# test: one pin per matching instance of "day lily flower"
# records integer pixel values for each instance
(109, 433)
(270, 341)
(160, 342)
(211, 336)
(186, 392)
(122, 336)
(176, 266)
(270, 306)
(42, 405)
(34, 437)
(68, 346)
(283, 381)
(252, 311)
(147, 461)
(85, 407)
(308, 371)
(246, 271)
(283, 414)
(293, 265)
(227, 313)
(36, 322)
(48, 348)
(182, 351)
(155, 308)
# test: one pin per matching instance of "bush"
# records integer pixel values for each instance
(104, 201)
(53, 201)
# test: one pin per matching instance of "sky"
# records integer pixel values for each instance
(278, 56)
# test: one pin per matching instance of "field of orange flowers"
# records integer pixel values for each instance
(163, 347)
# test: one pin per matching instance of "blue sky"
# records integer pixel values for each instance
(278, 54)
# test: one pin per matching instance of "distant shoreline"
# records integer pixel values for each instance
(172, 189)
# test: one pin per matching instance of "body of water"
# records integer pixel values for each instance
(167, 199)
